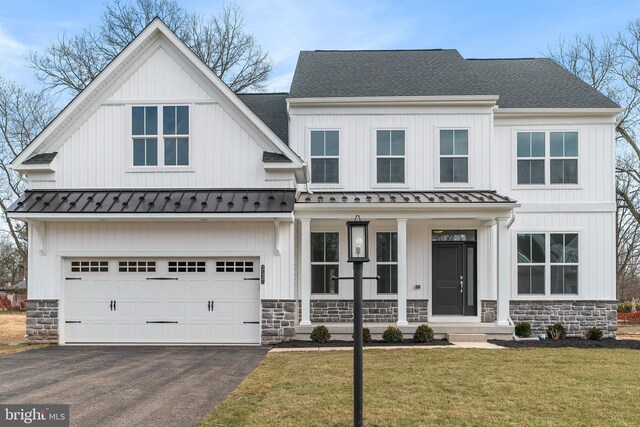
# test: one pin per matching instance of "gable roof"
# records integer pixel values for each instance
(271, 108)
(92, 93)
(537, 83)
(359, 73)
(519, 83)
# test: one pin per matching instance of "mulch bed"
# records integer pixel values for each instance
(571, 342)
(405, 343)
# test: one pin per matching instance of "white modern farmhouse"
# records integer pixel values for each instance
(164, 208)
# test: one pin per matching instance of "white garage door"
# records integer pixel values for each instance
(162, 301)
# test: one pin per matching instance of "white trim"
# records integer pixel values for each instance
(305, 271)
(402, 272)
(567, 207)
(143, 217)
(488, 100)
(555, 112)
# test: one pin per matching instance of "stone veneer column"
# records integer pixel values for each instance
(278, 320)
(42, 321)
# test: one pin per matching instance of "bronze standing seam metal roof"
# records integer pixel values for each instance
(404, 197)
(197, 201)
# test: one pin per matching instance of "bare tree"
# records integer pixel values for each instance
(70, 63)
(23, 114)
(612, 65)
(12, 263)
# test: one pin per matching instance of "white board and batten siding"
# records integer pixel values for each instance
(225, 149)
(220, 240)
(422, 126)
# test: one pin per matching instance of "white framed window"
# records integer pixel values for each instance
(390, 156)
(168, 122)
(325, 258)
(531, 157)
(531, 264)
(187, 266)
(563, 153)
(144, 128)
(548, 263)
(89, 266)
(175, 129)
(547, 158)
(136, 266)
(234, 266)
(387, 262)
(325, 156)
(454, 155)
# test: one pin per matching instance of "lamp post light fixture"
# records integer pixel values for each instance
(358, 232)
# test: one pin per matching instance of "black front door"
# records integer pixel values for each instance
(454, 278)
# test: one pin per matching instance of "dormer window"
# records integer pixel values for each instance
(145, 127)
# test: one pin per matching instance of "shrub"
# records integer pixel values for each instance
(625, 307)
(392, 335)
(556, 332)
(523, 329)
(366, 335)
(320, 334)
(423, 334)
(593, 334)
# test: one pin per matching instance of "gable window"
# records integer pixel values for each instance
(530, 157)
(144, 124)
(390, 156)
(324, 262)
(325, 156)
(563, 167)
(387, 262)
(535, 158)
(175, 128)
(548, 263)
(454, 155)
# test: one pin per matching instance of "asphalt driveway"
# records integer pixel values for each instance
(118, 386)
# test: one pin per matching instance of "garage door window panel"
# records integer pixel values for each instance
(187, 267)
(136, 266)
(234, 267)
(90, 266)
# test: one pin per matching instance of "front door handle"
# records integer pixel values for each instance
(461, 286)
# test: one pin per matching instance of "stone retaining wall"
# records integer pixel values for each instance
(278, 321)
(42, 321)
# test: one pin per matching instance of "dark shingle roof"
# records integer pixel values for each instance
(537, 83)
(383, 73)
(42, 158)
(195, 201)
(403, 197)
(271, 108)
(520, 83)
(269, 157)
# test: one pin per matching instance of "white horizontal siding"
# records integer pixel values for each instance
(357, 144)
(162, 240)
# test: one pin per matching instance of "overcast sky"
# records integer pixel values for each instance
(478, 29)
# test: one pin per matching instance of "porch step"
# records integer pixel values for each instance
(467, 337)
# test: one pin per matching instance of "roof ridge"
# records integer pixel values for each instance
(264, 93)
(380, 50)
(504, 59)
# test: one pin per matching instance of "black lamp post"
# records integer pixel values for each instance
(358, 254)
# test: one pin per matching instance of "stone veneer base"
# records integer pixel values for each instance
(42, 321)
(575, 316)
(373, 311)
(278, 320)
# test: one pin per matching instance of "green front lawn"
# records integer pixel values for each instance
(440, 387)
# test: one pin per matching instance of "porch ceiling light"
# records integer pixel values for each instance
(358, 240)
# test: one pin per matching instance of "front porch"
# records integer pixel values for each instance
(443, 258)
(441, 330)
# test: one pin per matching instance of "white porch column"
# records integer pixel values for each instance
(305, 269)
(402, 272)
(504, 287)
